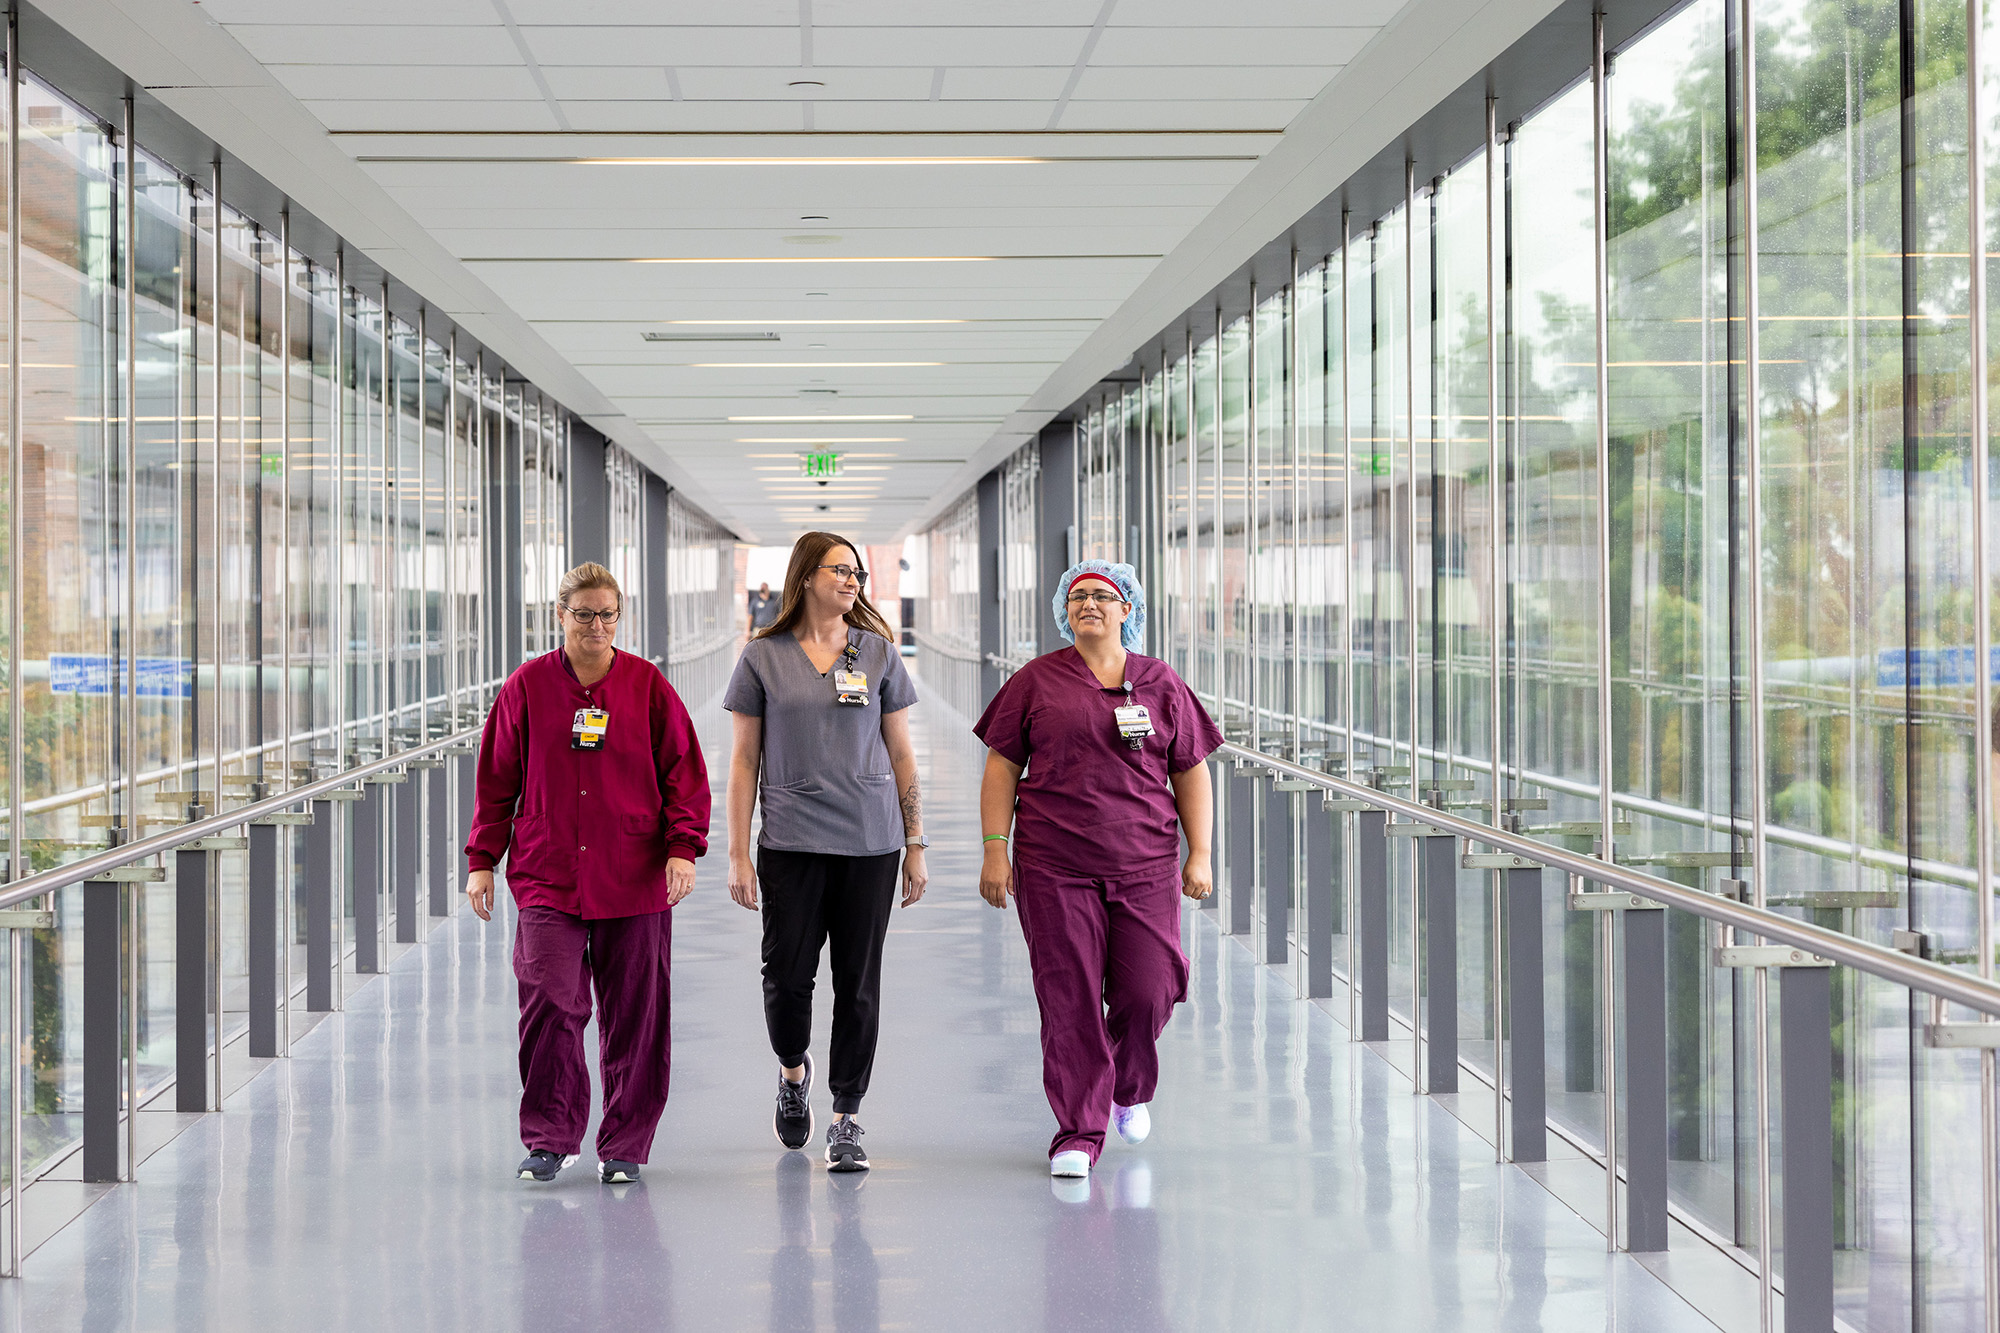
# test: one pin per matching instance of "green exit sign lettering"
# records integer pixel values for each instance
(821, 465)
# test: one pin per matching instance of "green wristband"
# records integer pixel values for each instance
(994, 837)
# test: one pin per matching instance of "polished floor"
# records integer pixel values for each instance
(1292, 1181)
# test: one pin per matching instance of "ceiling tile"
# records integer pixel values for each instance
(407, 83)
(663, 45)
(1196, 84)
(1043, 83)
(738, 84)
(949, 46)
(347, 44)
(441, 116)
(1255, 47)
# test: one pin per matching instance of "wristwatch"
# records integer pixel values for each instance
(919, 841)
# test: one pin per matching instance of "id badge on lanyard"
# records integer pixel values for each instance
(1135, 724)
(850, 686)
(589, 729)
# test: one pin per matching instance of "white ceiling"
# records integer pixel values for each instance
(488, 121)
(461, 144)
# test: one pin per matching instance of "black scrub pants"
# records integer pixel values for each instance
(811, 899)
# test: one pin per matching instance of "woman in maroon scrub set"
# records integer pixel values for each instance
(591, 784)
(1095, 774)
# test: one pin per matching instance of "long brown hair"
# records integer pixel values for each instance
(807, 555)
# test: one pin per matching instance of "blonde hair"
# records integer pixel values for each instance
(584, 577)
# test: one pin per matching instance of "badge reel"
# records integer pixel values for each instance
(1135, 724)
(587, 733)
(850, 686)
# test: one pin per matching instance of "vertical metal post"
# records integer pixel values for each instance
(1982, 646)
(1219, 666)
(1645, 1051)
(1607, 1018)
(129, 758)
(18, 972)
(1496, 489)
(285, 702)
(1753, 513)
(1253, 627)
(1607, 926)
(378, 802)
(1277, 854)
(1805, 1058)
(1410, 604)
(452, 663)
(1530, 1140)
(337, 649)
(214, 869)
(1351, 754)
(1438, 873)
(1371, 888)
(101, 996)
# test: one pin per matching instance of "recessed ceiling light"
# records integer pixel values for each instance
(812, 217)
(814, 347)
(871, 416)
(819, 293)
(805, 83)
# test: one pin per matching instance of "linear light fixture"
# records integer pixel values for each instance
(720, 336)
(821, 439)
(808, 161)
(815, 416)
(804, 365)
(811, 259)
(818, 322)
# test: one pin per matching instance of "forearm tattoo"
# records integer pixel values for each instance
(913, 810)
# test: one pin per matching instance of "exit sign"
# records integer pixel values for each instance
(821, 465)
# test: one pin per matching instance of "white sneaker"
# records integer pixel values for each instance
(1133, 1123)
(1075, 1162)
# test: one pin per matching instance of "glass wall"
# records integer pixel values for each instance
(947, 630)
(1454, 492)
(257, 527)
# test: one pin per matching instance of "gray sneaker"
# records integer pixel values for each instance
(542, 1165)
(794, 1121)
(843, 1146)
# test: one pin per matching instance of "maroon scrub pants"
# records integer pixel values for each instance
(557, 957)
(1106, 955)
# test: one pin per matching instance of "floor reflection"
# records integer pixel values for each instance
(856, 1283)
(1101, 1256)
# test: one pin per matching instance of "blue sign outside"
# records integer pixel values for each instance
(1934, 667)
(93, 673)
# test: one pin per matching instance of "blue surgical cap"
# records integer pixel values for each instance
(1120, 576)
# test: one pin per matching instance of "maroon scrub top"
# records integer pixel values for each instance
(1053, 718)
(589, 832)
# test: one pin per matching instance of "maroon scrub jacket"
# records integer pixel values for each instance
(589, 832)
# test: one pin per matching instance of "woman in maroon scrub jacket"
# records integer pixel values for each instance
(1095, 774)
(591, 784)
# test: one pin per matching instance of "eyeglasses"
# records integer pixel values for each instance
(585, 618)
(1100, 598)
(842, 573)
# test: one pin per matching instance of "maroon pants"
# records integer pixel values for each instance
(556, 959)
(1106, 955)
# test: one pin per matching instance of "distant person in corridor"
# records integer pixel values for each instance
(822, 736)
(592, 786)
(1093, 777)
(763, 605)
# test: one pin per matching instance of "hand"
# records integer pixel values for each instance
(680, 879)
(996, 875)
(1197, 877)
(479, 892)
(915, 876)
(743, 881)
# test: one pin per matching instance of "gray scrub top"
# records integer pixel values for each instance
(825, 777)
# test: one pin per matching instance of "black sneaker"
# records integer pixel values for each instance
(541, 1164)
(843, 1146)
(794, 1123)
(615, 1172)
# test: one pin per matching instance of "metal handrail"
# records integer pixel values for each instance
(75, 872)
(1917, 974)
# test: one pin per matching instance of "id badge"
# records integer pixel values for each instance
(851, 688)
(1134, 723)
(588, 731)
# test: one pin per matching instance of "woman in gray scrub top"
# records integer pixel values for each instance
(821, 734)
